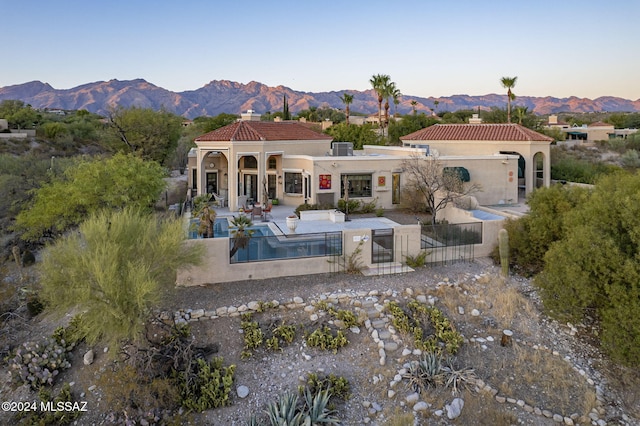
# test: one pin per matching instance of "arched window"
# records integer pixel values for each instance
(272, 163)
(250, 162)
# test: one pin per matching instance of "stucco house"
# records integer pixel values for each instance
(256, 160)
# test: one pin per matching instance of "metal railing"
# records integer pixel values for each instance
(449, 242)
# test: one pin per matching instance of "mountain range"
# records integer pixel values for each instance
(223, 96)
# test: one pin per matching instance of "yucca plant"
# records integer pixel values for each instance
(316, 408)
(426, 372)
(456, 378)
(284, 412)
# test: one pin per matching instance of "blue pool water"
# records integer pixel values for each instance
(265, 245)
(482, 215)
(221, 228)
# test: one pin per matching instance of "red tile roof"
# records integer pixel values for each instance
(263, 131)
(476, 132)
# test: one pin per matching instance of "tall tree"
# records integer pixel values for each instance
(286, 115)
(88, 187)
(414, 103)
(388, 90)
(426, 178)
(395, 93)
(509, 83)
(347, 99)
(379, 82)
(153, 135)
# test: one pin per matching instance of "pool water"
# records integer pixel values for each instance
(265, 245)
(221, 228)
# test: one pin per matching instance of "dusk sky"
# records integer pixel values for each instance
(556, 48)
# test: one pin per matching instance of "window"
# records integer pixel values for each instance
(250, 162)
(272, 163)
(359, 185)
(293, 183)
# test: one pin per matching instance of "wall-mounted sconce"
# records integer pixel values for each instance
(225, 173)
(279, 178)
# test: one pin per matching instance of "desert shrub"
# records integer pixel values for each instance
(434, 370)
(139, 397)
(369, 207)
(207, 385)
(419, 319)
(115, 268)
(593, 270)
(580, 170)
(324, 338)
(306, 207)
(630, 159)
(531, 236)
(338, 386)
(53, 417)
(349, 206)
(417, 261)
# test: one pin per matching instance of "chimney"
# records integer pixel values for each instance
(475, 119)
(250, 115)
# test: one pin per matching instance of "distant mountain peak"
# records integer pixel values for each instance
(226, 96)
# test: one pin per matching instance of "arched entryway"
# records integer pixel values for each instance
(213, 178)
(248, 177)
(539, 172)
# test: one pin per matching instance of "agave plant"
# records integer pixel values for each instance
(457, 378)
(426, 372)
(284, 412)
(316, 408)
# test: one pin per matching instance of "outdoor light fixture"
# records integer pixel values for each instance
(280, 179)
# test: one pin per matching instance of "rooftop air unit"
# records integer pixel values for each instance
(342, 149)
(422, 146)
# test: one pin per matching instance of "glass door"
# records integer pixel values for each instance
(395, 188)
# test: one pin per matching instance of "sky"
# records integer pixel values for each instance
(560, 48)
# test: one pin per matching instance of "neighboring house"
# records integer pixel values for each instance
(589, 134)
(288, 161)
(529, 150)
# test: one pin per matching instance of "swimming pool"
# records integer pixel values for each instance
(265, 244)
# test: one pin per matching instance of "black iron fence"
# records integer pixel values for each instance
(449, 242)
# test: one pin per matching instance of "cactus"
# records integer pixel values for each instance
(503, 244)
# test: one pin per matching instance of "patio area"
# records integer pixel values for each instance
(278, 216)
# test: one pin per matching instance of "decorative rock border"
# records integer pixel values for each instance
(370, 308)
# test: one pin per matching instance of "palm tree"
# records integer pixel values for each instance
(396, 99)
(241, 233)
(414, 103)
(508, 83)
(379, 82)
(347, 99)
(388, 90)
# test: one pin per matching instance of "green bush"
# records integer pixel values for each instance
(593, 271)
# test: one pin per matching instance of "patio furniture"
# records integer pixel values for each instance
(267, 211)
(257, 211)
(218, 200)
(242, 202)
